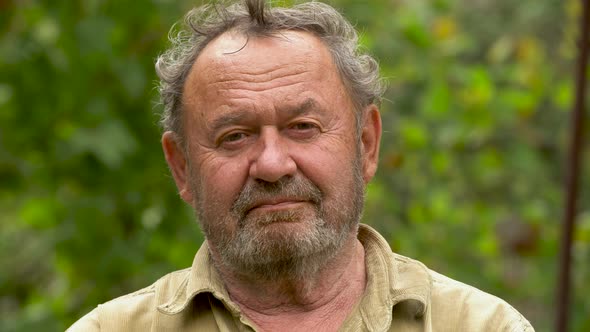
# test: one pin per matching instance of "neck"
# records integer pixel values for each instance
(312, 302)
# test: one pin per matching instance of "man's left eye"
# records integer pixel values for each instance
(304, 126)
(303, 130)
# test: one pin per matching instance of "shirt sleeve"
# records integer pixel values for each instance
(516, 322)
(88, 323)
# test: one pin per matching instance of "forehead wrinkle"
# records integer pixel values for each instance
(231, 80)
(235, 92)
(265, 80)
(242, 68)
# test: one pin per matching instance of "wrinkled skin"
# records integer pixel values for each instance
(274, 166)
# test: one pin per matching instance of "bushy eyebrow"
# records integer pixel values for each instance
(308, 106)
(229, 119)
(240, 116)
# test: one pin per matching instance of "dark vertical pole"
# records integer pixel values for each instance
(572, 176)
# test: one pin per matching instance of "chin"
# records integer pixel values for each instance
(281, 244)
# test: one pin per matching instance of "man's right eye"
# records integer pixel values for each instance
(232, 140)
(233, 137)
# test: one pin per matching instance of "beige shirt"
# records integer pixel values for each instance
(401, 295)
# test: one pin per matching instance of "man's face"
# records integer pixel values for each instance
(274, 166)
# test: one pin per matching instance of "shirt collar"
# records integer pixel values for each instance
(203, 278)
(406, 280)
(391, 280)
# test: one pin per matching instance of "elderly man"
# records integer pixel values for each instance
(272, 133)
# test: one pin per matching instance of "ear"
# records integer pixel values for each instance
(176, 159)
(370, 140)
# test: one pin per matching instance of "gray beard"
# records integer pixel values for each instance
(256, 250)
(256, 253)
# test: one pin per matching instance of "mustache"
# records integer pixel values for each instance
(294, 188)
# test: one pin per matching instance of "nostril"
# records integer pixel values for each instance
(273, 185)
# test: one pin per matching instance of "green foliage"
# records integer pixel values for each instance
(470, 181)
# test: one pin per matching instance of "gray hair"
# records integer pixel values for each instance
(359, 72)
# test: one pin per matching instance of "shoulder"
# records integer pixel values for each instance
(445, 304)
(454, 306)
(137, 308)
(467, 308)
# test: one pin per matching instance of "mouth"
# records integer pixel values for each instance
(277, 205)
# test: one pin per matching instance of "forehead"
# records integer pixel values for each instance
(234, 63)
(234, 46)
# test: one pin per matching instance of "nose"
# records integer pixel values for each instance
(272, 160)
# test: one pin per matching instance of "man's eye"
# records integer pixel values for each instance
(233, 140)
(303, 130)
(234, 137)
(304, 126)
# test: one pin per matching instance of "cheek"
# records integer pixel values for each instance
(221, 180)
(327, 165)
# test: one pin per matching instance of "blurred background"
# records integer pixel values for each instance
(476, 124)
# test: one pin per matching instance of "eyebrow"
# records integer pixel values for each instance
(228, 119)
(307, 106)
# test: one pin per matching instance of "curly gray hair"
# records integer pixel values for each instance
(359, 71)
